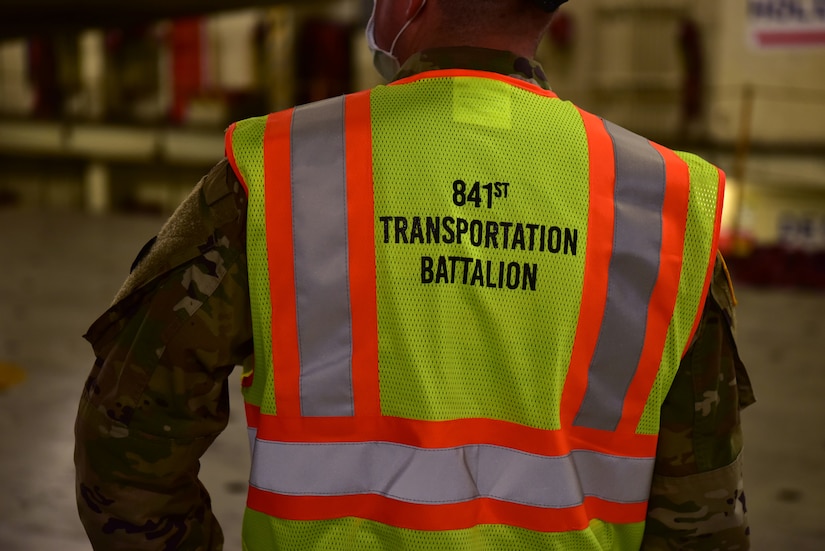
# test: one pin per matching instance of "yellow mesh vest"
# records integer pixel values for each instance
(482, 204)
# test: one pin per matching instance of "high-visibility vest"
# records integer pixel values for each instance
(469, 299)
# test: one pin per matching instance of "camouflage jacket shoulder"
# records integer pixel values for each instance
(156, 397)
(697, 499)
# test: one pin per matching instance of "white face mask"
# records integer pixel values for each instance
(385, 61)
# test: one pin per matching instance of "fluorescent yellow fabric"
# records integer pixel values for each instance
(481, 234)
(468, 345)
(263, 533)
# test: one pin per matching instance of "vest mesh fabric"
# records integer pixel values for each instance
(453, 350)
(248, 144)
(350, 534)
(470, 346)
(704, 179)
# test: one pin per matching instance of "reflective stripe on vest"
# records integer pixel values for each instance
(632, 275)
(321, 270)
(328, 453)
(452, 475)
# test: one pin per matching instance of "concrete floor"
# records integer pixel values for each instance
(63, 268)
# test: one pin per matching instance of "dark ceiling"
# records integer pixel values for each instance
(20, 18)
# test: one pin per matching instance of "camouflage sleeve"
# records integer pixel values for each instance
(157, 396)
(697, 499)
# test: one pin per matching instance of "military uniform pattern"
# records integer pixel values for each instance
(157, 395)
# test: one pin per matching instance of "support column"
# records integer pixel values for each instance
(96, 193)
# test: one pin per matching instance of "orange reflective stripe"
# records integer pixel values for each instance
(640, 185)
(663, 298)
(443, 517)
(446, 434)
(253, 415)
(623, 444)
(278, 200)
(597, 263)
(452, 73)
(361, 214)
(230, 155)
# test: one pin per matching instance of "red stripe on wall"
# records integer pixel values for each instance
(187, 53)
(791, 38)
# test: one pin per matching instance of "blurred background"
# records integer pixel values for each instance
(111, 112)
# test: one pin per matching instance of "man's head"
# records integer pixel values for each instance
(400, 28)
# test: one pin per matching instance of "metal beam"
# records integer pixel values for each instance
(21, 18)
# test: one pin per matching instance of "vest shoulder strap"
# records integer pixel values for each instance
(244, 149)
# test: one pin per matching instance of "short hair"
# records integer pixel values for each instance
(475, 14)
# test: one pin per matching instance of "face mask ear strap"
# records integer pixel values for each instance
(404, 28)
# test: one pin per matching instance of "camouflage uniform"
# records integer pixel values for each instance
(157, 394)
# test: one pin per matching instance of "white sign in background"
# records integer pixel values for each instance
(786, 23)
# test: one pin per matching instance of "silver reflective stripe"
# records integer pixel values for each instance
(448, 475)
(253, 435)
(319, 213)
(634, 267)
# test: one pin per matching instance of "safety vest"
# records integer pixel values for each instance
(469, 300)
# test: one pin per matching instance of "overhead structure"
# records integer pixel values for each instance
(20, 18)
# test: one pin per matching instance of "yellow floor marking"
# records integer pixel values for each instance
(10, 375)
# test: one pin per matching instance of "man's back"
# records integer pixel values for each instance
(428, 441)
(567, 277)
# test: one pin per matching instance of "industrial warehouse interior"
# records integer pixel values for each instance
(109, 115)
